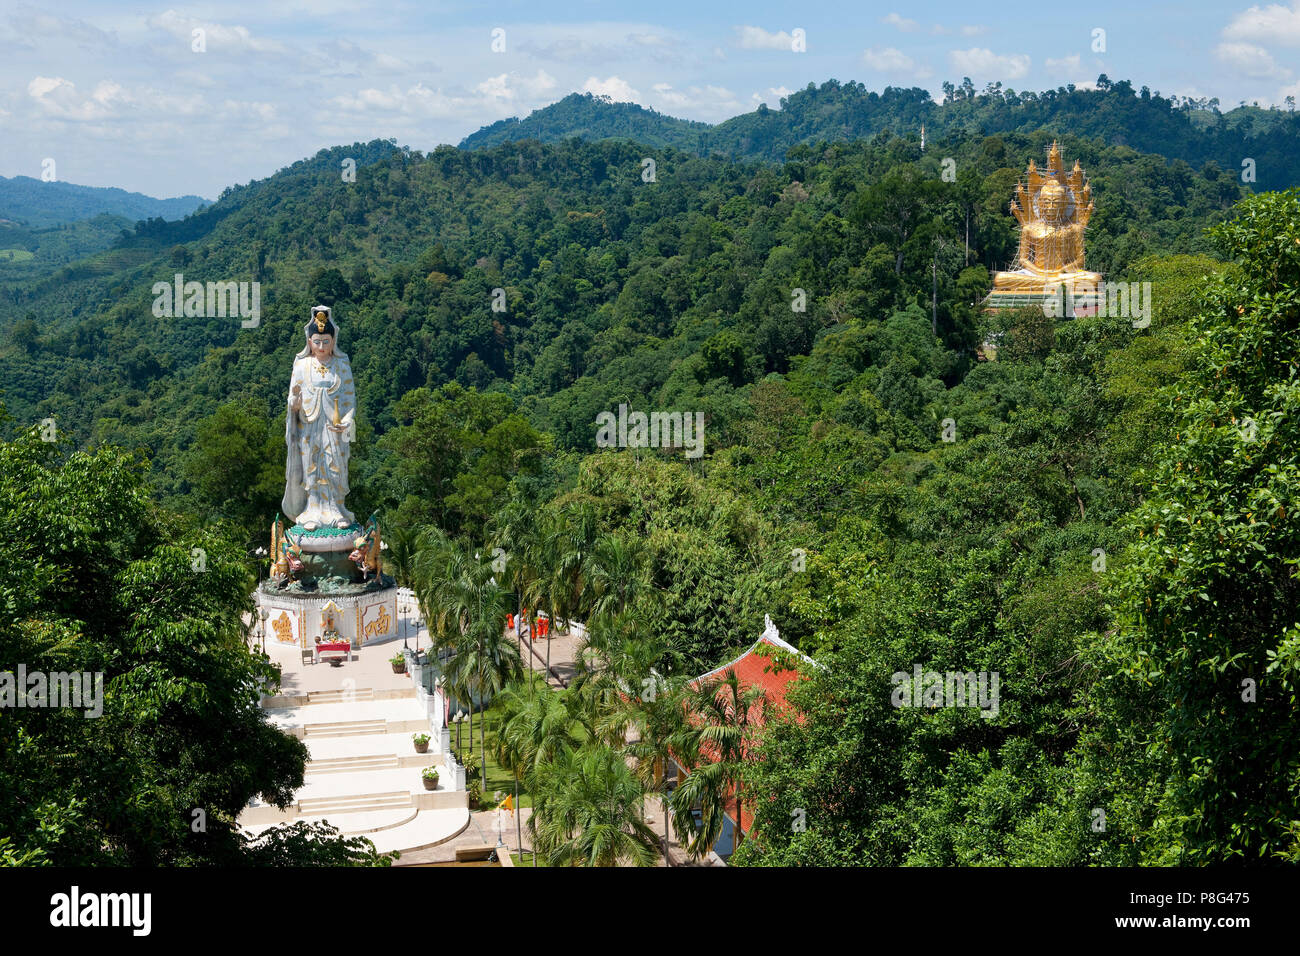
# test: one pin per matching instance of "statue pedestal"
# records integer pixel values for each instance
(1067, 295)
(298, 618)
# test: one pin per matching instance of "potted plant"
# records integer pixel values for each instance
(430, 775)
(399, 663)
(474, 790)
(421, 743)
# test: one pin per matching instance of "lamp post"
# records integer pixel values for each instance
(406, 623)
(263, 613)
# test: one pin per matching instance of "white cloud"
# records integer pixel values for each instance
(756, 38)
(985, 63)
(496, 87)
(592, 44)
(772, 97)
(649, 39)
(417, 100)
(973, 30)
(904, 24)
(539, 84)
(697, 98)
(1274, 23)
(507, 86)
(59, 98)
(42, 85)
(888, 60)
(242, 110)
(1066, 64)
(1250, 60)
(29, 22)
(614, 87)
(217, 36)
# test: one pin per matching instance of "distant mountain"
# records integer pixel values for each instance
(35, 203)
(592, 118)
(1193, 131)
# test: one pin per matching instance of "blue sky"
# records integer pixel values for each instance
(117, 95)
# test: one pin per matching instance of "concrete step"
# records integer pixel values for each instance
(355, 764)
(340, 696)
(346, 728)
(361, 803)
(373, 821)
(429, 828)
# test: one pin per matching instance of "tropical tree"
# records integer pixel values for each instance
(537, 725)
(616, 575)
(436, 563)
(1202, 669)
(544, 576)
(587, 810)
(510, 527)
(661, 733)
(171, 724)
(470, 611)
(724, 717)
(399, 557)
(488, 661)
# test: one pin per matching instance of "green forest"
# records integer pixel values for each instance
(1110, 529)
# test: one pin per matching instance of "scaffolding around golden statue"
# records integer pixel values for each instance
(1053, 208)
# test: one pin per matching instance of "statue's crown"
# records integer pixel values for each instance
(320, 323)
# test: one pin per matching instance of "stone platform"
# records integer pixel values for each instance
(297, 619)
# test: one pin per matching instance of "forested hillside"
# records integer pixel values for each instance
(37, 203)
(676, 294)
(822, 314)
(26, 253)
(1115, 113)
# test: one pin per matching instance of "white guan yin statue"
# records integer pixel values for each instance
(321, 408)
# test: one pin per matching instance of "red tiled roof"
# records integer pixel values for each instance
(761, 665)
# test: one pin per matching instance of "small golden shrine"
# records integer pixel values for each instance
(330, 615)
(1053, 208)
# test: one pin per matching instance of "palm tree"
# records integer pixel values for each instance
(436, 565)
(538, 726)
(663, 733)
(543, 572)
(510, 527)
(724, 717)
(586, 811)
(616, 576)
(399, 560)
(473, 606)
(613, 665)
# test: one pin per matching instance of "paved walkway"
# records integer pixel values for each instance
(564, 652)
(366, 667)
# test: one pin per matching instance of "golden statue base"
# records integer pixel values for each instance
(1016, 290)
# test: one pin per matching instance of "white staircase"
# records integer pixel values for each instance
(340, 696)
(346, 728)
(363, 776)
(353, 764)
(362, 803)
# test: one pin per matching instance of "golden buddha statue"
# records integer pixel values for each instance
(1053, 210)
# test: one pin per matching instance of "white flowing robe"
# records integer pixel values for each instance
(316, 476)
